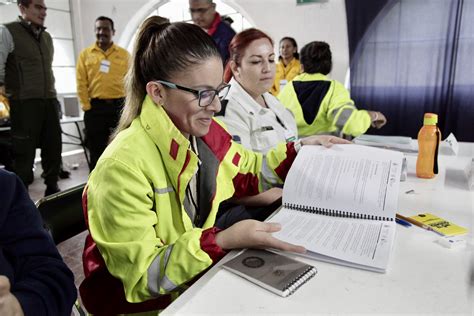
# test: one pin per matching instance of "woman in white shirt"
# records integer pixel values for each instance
(253, 116)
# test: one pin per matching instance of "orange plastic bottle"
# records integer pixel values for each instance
(429, 137)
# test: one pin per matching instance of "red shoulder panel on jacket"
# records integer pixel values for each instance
(236, 159)
(218, 140)
(245, 184)
(174, 149)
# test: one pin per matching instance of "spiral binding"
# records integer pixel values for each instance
(334, 213)
(291, 287)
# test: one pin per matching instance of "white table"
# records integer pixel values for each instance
(423, 277)
(75, 139)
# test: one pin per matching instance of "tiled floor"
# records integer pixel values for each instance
(71, 249)
(76, 164)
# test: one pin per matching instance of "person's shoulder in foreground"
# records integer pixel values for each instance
(32, 272)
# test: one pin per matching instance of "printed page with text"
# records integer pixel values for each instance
(340, 203)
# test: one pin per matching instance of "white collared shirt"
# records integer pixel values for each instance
(254, 126)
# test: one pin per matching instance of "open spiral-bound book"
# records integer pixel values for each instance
(340, 203)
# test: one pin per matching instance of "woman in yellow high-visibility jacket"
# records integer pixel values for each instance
(151, 201)
(288, 66)
(322, 105)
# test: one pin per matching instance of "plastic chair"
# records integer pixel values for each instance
(62, 213)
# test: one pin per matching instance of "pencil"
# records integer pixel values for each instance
(412, 221)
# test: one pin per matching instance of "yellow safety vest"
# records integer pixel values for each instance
(323, 106)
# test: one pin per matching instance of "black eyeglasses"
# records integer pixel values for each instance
(205, 96)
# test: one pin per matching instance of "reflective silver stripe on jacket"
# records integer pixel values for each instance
(155, 279)
(269, 177)
(163, 190)
(188, 207)
(343, 117)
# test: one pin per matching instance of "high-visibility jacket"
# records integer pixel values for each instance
(285, 74)
(134, 205)
(323, 106)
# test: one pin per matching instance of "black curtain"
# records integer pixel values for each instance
(409, 57)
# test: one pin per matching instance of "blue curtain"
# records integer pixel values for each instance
(408, 57)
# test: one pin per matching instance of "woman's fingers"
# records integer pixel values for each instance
(272, 242)
(270, 227)
(285, 246)
(328, 141)
(324, 140)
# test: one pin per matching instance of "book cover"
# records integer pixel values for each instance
(439, 225)
(275, 272)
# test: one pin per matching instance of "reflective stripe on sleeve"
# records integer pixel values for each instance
(163, 190)
(343, 117)
(155, 280)
(167, 285)
(268, 176)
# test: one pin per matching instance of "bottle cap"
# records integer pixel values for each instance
(430, 119)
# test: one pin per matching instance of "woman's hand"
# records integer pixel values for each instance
(378, 119)
(325, 140)
(254, 234)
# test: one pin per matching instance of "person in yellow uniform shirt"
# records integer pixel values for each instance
(100, 73)
(288, 66)
(322, 105)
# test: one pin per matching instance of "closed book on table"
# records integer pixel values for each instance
(275, 272)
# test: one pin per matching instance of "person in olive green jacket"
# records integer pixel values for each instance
(322, 105)
(26, 77)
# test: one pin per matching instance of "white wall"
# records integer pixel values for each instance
(306, 23)
(86, 11)
(58, 24)
(8, 12)
(321, 21)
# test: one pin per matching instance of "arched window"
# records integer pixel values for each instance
(178, 10)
